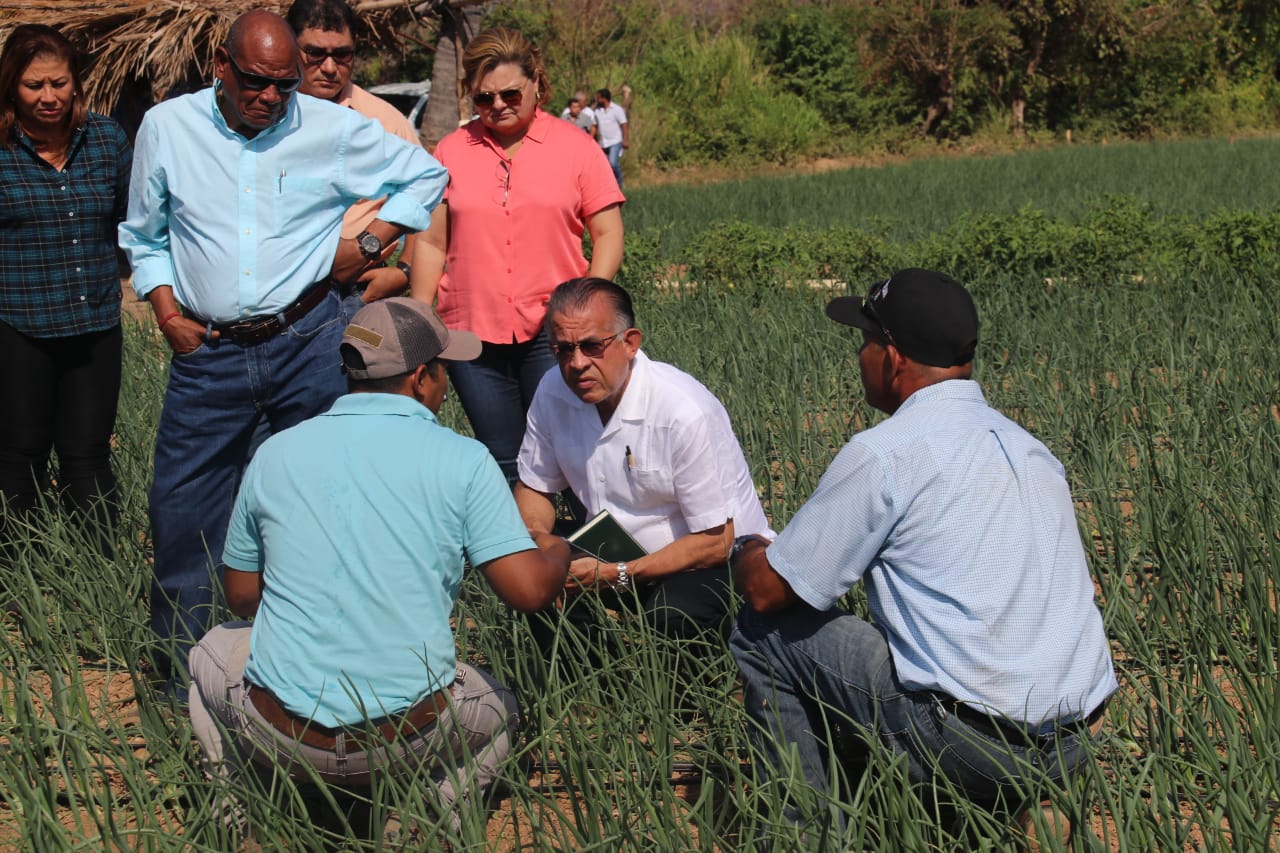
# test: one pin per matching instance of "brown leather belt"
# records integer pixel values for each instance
(388, 728)
(1013, 731)
(255, 330)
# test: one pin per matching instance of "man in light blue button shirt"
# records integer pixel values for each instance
(987, 662)
(233, 229)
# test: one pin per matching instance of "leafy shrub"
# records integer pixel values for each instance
(706, 100)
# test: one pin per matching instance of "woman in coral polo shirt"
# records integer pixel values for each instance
(523, 187)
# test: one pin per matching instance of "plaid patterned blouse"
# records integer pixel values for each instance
(58, 268)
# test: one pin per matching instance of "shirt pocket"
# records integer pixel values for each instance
(298, 200)
(652, 488)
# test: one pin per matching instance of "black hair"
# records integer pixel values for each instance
(576, 294)
(332, 16)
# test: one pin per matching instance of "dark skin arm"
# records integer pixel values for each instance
(349, 264)
(182, 334)
(764, 589)
(244, 591)
(530, 580)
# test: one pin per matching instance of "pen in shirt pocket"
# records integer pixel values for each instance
(631, 460)
(280, 183)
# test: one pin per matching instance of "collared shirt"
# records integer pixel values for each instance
(665, 465)
(362, 544)
(58, 270)
(610, 120)
(515, 226)
(962, 524)
(241, 227)
(369, 105)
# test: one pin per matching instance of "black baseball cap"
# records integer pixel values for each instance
(928, 316)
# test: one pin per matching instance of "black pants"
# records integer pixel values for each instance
(59, 394)
(682, 606)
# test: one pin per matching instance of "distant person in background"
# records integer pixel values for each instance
(523, 187)
(648, 443)
(64, 186)
(614, 134)
(326, 39)
(576, 113)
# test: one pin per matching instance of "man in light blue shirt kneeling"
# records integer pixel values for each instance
(987, 662)
(347, 544)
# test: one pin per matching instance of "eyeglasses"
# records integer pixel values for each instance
(317, 55)
(510, 97)
(869, 308)
(259, 83)
(591, 349)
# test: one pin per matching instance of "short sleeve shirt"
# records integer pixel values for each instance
(667, 464)
(362, 519)
(962, 525)
(516, 226)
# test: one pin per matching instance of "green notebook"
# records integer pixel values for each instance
(605, 539)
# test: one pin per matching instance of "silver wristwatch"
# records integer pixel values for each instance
(624, 579)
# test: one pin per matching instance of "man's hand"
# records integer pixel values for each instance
(184, 335)
(589, 573)
(349, 263)
(381, 282)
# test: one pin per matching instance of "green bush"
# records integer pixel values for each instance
(705, 100)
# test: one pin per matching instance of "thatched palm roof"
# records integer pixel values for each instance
(169, 41)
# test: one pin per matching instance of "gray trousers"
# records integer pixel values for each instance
(463, 748)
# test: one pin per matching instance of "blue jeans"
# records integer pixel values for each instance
(216, 397)
(614, 153)
(809, 672)
(495, 391)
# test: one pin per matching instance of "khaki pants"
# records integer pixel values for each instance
(464, 747)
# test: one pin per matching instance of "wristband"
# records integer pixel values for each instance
(624, 579)
(404, 268)
(168, 317)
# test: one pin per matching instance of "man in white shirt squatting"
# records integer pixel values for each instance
(647, 442)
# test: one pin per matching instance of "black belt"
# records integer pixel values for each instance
(255, 330)
(1003, 728)
(369, 734)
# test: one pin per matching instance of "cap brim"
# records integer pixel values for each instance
(848, 310)
(463, 346)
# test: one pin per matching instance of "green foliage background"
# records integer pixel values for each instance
(773, 80)
(1134, 333)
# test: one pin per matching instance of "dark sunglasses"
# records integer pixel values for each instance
(591, 349)
(259, 83)
(317, 55)
(510, 97)
(869, 308)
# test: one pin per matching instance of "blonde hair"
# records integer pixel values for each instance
(502, 46)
